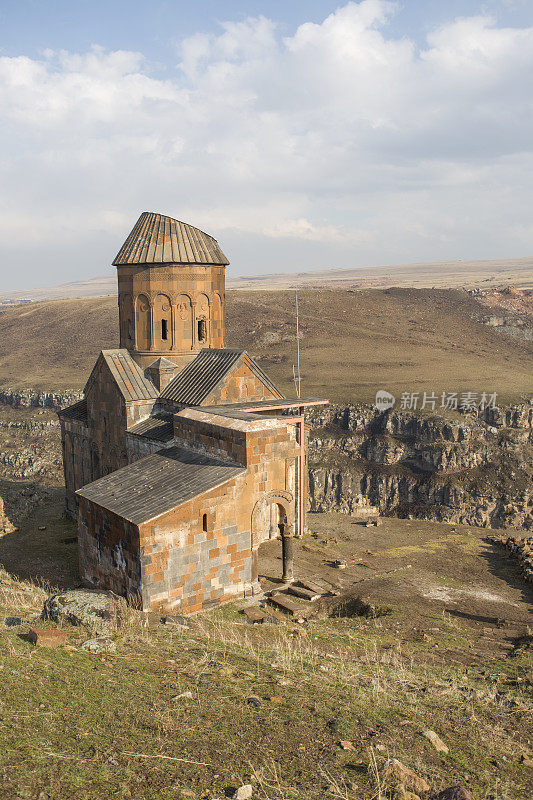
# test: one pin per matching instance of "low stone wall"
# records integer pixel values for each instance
(520, 547)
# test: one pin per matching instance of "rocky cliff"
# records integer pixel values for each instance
(28, 398)
(474, 468)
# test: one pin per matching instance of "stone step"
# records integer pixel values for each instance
(304, 593)
(315, 586)
(255, 614)
(286, 604)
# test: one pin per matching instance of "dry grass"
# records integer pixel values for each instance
(22, 596)
(331, 680)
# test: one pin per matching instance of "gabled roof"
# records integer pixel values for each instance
(210, 367)
(163, 363)
(156, 239)
(158, 483)
(128, 375)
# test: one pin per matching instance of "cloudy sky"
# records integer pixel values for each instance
(303, 134)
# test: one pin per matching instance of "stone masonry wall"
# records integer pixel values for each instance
(186, 567)
(211, 438)
(240, 386)
(107, 421)
(183, 565)
(77, 464)
(109, 554)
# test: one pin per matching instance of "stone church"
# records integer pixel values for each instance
(183, 455)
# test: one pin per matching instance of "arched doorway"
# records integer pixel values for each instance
(272, 515)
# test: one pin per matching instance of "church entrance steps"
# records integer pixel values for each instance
(316, 586)
(287, 605)
(255, 614)
(304, 593)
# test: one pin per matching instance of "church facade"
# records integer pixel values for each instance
(183, 455)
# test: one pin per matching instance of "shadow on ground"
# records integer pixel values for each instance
(43, 546)
(503, 566)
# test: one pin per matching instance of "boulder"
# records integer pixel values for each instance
(102, 613)
(244, 792)
(100, 645)
(396, 774)
(176, 621)
(454, 793)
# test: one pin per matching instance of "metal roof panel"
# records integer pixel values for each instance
(156, 239)
(158, 483)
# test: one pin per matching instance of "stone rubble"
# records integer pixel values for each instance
(454, 793)
(436, 741)
(395, 774)
(244, 792)
(100, 645)
(43, 637)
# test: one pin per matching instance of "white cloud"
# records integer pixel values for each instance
(338, 145)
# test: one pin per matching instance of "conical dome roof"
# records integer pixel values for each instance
(156, 239)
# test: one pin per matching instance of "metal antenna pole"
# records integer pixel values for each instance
(298, 343)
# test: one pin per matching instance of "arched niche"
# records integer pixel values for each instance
(142, 323)
(272, 513)
(183, 323)
(162, 311)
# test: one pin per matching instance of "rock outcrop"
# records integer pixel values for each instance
(474, 468)
(101, 612)
(29, 398)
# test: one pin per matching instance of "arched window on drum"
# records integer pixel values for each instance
(163, 322)
(202, 320)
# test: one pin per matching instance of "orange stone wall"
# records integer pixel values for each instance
(241, 386)
(107, 423)
(211, 437)
(170, 299)
(187, 568)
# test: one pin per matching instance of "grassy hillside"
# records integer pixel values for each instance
(54, 344)
(353, 343)
(301, 711)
